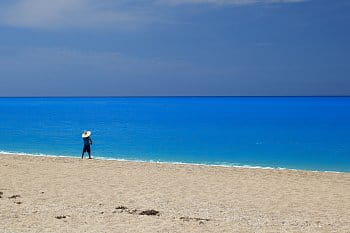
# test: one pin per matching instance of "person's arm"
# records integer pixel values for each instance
(90, 141)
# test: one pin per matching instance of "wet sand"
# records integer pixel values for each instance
(46, 194)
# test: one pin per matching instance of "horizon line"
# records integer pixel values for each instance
(173, 96)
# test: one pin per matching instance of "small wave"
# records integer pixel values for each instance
(223, 164)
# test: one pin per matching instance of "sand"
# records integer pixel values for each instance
(74, 195)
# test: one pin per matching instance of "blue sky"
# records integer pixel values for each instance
(174, 47)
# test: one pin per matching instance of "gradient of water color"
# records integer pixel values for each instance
(311, 133)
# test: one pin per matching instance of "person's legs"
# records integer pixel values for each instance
(89, 152)
(84, 150)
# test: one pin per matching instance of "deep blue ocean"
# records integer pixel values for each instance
(311, 133)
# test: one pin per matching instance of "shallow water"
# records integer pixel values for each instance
(311, 133)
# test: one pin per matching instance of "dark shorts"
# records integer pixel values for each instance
(86, 149)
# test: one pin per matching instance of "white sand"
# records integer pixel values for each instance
(87, 193)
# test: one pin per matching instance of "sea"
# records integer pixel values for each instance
(306, 133)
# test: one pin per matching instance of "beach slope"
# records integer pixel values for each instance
(51, 194)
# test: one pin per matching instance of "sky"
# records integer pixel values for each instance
(174, 47)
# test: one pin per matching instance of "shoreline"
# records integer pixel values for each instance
(169, 162)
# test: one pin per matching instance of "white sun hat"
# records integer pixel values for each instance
(86, 134)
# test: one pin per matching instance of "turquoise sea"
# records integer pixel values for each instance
(311, 133)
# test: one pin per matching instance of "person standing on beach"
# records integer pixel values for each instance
(87, 142)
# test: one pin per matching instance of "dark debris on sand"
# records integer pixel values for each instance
(195, 219)
(125, 209)
(149, 212)
(152, 212)
(1, 193)
(62, 216)
(14, 196)
(121, 208)
(134, 211)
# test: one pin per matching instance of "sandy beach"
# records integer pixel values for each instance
(49, 194)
